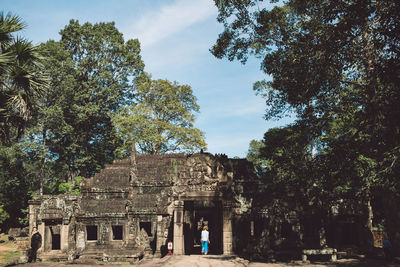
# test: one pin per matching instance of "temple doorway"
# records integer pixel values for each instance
(197, 214)
(52, 235)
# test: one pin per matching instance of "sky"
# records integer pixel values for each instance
(175, 37)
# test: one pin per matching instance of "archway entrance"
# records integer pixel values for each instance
(198, 213)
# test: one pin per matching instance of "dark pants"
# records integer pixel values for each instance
(32, 254)
(388, 253)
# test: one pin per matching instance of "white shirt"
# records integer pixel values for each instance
(204, 235)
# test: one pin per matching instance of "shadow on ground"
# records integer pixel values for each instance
(339, 263)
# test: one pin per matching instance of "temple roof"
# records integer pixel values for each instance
(166, 170)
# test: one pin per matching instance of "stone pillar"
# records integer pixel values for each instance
(227, 229)
(40, 227)
(178, 242)
(80, 238)
(64, 237)
(160, 239)
(32, 221)
(46, 238)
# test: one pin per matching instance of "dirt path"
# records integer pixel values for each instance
(221, 261)
(8, 254)
(3, 248)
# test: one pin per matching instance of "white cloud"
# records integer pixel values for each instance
(172, 57)
(155, 26)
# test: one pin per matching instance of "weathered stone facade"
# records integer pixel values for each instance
(134, 207)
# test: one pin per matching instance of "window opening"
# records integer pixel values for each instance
(117, 232)
(55, 238)
(91, 232)
(146, 226)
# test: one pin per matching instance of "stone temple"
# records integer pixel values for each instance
(134, 207)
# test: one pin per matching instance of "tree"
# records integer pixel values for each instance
(255, 157)
(21, 79)
(161, 119)
(289, 163)
(22, 82)
(290, 183)
(332, 63)
(92, 70)
(16, 183)
(316, 53)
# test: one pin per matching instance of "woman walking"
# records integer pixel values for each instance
(204, 240)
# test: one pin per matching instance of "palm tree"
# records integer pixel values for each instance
(21, 79)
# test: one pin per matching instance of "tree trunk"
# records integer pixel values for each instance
(370, 215)
(372, 109)
(44, 134)
(369, 239)
(313, 148)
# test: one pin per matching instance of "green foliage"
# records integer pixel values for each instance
(71, 187)
(24, 219)
(60, 130)
(3, 214)
(15, 182)
(22, 82)
(327, 62)
(161, 119)
(21, 79)
(335, 65)
(91, 70)
(290, 166)
(255, 157)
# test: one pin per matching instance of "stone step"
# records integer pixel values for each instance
(114, 255)
(53, 255)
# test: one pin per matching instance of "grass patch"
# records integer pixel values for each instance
(8, 256)
(8, 250)
(51, 260)
(6, 243)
